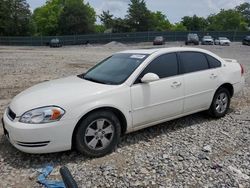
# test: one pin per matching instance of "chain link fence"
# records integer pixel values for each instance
(119, 37)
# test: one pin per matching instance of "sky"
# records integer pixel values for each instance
(173, 9)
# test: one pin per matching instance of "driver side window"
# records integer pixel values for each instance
(164, 66)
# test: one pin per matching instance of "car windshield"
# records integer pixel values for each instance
(55, 40)
(195, 36)
(115, 69)
(158, 38)
(207, 37)
(223, 38)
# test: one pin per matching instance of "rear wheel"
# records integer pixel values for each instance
(220, 103)
(98, 134)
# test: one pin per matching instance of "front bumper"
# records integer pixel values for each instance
(39, 138)
(207, 42)
(225, 43)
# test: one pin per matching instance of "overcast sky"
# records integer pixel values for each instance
(174, 9)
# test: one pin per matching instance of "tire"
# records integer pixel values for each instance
(220, 103)
(68, 178)
(98, 134)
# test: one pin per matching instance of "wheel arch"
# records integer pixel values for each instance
(229, 87)
(116, 111)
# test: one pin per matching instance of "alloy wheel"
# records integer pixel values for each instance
(99, 134)
(221, 103)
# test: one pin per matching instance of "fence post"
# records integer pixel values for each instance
(234, 35)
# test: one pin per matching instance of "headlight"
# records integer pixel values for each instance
(42, 115)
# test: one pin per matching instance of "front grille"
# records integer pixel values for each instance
(33, 144)
(11, 114)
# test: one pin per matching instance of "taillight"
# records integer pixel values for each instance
(242, 69)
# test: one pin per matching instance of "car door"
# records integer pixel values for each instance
(200, 81)
(160, 99)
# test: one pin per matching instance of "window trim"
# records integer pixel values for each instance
(180, 63)
(207, 55)
(178, 68)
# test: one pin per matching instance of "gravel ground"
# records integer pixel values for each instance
(194, 151)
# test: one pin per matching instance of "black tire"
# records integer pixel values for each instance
(213, 111)
(81, 139)
(68, 179)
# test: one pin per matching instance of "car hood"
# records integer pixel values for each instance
(60, 92)
(224, 40)
(208, 40)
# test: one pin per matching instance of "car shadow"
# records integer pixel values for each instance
(17, 159)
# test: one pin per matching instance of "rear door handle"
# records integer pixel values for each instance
(176, 84)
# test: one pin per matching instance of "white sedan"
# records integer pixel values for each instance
(224, 41)
(127, 91)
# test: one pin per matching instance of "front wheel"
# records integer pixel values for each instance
(98, 134)
(220, 103)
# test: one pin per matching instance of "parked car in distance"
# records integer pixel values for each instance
(207, 40)
(55, 43)
(246, 40)
(192, 38)
(127, 91)
(224, 41)
(159, 40)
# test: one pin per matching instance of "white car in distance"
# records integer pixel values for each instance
(127, 91)
(223, 41)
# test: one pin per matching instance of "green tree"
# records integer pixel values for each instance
(46, 17)
(121, 25)
(159, 22)
(77, 18)
(194, 23)
(107, 19)
(15, 18)
(99, 28)
(4, 16)
(139, 17)
(244, 9)
(178, 27)
(226, 20)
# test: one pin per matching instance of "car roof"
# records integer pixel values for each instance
(164, 50)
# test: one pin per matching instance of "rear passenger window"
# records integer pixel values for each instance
(164, 66)
(193, 61)
(213, 63)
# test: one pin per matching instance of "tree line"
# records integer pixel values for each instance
(71, 17)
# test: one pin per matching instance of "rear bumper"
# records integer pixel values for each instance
(38, 138)
(239, 86)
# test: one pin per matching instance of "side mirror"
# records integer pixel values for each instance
(149, 77)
